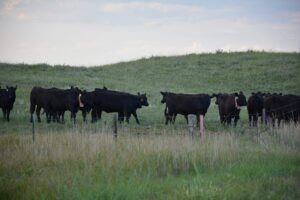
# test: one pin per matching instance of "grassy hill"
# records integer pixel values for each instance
(204, 73)
(153, 161)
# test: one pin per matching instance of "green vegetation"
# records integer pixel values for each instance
(153, 161)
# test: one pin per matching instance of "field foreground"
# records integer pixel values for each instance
(153, 161)
(258, 164)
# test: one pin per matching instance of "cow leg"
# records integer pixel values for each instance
(167, 119)
(73, 116)
(186, 118)
(127, 117)
(278, 122)
(236, 118)
(94, 115)
(55, 116)
(7, 114)
(62, 117)
(38, 112)
(229, 120)
(250, 119)
(48, 116)
(198, 120)
(32, 108)
(255, 120)
(99, 113)
(120, 117)
(222, 119)
(173, 118)
(4, 113)
(136, 118)
(84, 115)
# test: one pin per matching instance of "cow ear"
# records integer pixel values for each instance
(104, 88)
(236, 94)
(163, 93)
(138, 94)
(6, 86)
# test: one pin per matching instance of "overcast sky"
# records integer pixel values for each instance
(83, 32)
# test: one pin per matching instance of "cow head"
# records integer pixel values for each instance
(86, 99)
(164, 94)
(217, 97)
(241, 99)
(11, 91)
(143, 99)
(75, 93)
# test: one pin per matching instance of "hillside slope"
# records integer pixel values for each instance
(195, 73)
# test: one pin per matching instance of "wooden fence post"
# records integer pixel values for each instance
(33, 129)
(191, 124)
(201, 123)
(115, 126)
(264, 116)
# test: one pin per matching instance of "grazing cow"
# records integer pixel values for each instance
(123, 103)
(282, 107)
(184, 104)
(7, 100)
(229, 106)
(55, 102)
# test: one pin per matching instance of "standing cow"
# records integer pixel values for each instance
(184, 104)
(255, 107)
(7, 100)
(282, 107)
(230, 106)
(123, 103)
(55, 102)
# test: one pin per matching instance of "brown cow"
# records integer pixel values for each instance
(229, 106)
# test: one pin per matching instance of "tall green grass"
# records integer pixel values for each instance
(85, 165)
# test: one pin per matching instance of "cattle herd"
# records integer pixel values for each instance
(55, 102)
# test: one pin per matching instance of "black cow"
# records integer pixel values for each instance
(55, 102)
(255, 107)
(123, 103)
(39, 98)
(7, 100)
(282, 107)
(184, 104)
(229, 106)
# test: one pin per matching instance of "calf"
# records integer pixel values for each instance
(229, 106)
(7, 100)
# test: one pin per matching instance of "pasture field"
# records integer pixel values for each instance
(153, 161)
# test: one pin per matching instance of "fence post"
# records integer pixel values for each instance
(201, 123)
(115, 127)
(191, 124)
(33, 129)
(264, 116)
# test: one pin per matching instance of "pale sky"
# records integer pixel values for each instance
(83, 32)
